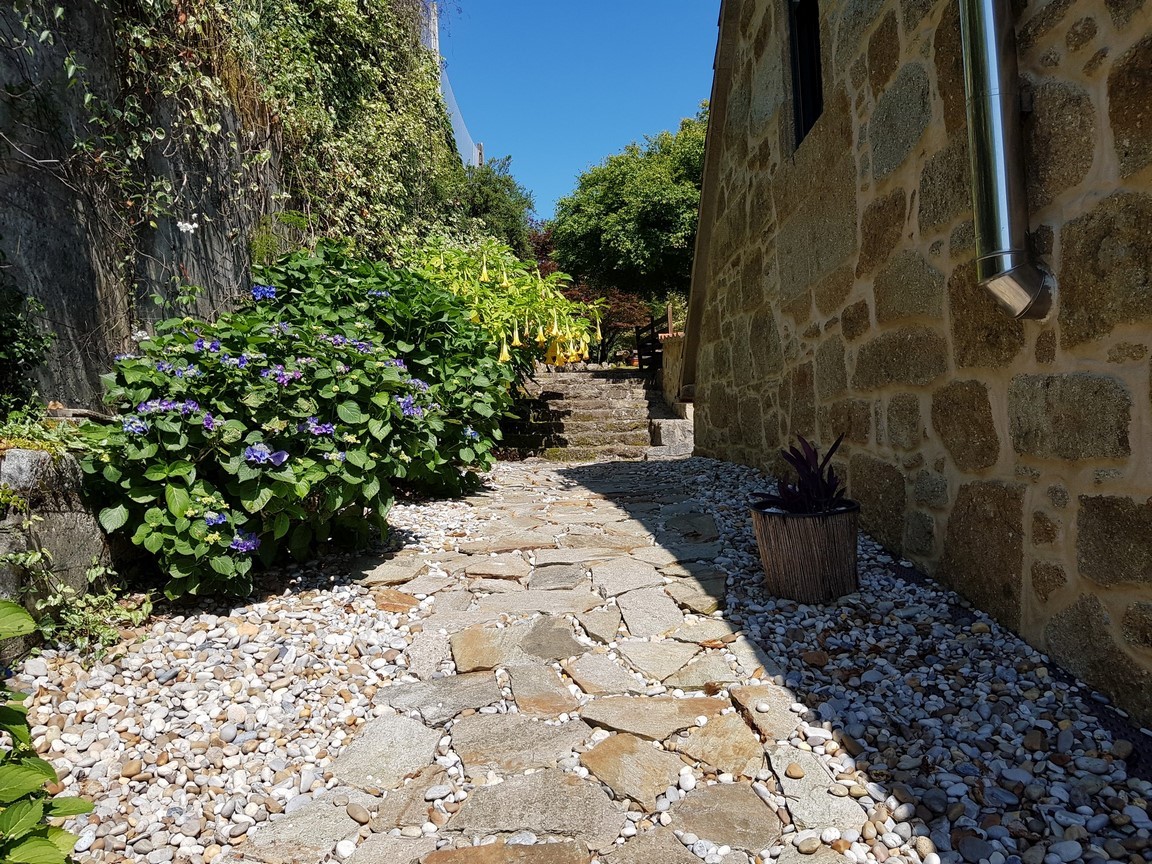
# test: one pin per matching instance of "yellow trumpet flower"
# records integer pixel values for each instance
(598, 336)
(504, 283)
(504, 355)
(540, 337)
(516, 343)
(484, 270)
(555, 331)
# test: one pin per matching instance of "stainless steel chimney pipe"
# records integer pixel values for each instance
(999, 200)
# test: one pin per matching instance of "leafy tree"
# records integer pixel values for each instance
(492, 195)
(631, 221)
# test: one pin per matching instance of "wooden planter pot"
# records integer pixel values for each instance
(808, 557)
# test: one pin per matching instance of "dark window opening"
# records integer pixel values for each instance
(807, 88)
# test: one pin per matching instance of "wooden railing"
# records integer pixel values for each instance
(648, 347)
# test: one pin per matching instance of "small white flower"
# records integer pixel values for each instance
(188, 227)
(139, 335)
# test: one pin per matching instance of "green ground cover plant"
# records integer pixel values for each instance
(284, 425)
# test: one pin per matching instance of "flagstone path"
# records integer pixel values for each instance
(580, 665)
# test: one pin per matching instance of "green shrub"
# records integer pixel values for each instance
(282, 426)
(24, 802)
(22, 348)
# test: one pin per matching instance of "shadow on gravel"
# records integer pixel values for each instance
(915, 681)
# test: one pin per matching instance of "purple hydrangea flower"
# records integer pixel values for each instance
(315, 427)
(281, 376)
(422, 386)
(135, 426)
(188, 406)
(399, 364)
(126, 357)
(408, 406)
(164, 366)
(210, 422)
(212, 519)
(245, 541)
(186, 372)
(199, 344)
(261, 454)
(379, 293)
(263, 292)
(471, 434)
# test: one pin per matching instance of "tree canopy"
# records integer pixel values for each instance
(493, 196)
(631, 221)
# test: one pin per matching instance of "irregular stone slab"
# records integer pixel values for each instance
(308, 835)
(387, 750)
(654, 717)
(543, 557)
(693, 551)
(382, 849)
(546, 803)
(540, 692)
(511, 744)
(624, 574)
(710, 630)
(483, 647)
(553, 577)
(709, 669)
(554, 602)
(441, 699)
(777, 721)
(809, 801)
(395, 571)
(602, 624)
(658, 846)
(405, 806)
(694, 600)
(823, 855)
(597, 675)
(499, 567)
(551, 638)
(727, 744)
(429, 583)
(633, 768)
(619, 542)
(657, 556)
(453, 621)
(657, 660)
(649, 612)
(493, 586)
(752, 658)
(427, 653)
(391, 600)
(728, 813)
(452, 600)
(564, 852)
(698, 527)
(509, 543)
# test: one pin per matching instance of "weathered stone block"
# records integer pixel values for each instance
(879, 487)
(1114, 540)
(1046, 347)
(855, 320)
(833, 290)
(904, 425)
(944, 190)
(901, 115)
(1138, 624)
(950, 68)
(883, 53)
(1047, 577)
(852, 417)
(802, 413)
(1059, 139)
(962, 418)
(920, 534)
(908, 287)
(1080, 415)
(984, 547)
(855, 19)
(911, 355)
(982, 335)
(831, 377)
(881, 228)
(1079, 639)
(1123, 11)
(1130, 109)
(1046, 17)
(1044, 529)
(931, 489)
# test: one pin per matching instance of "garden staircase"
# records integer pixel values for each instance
(596, 415)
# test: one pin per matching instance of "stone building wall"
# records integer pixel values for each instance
(835, 292)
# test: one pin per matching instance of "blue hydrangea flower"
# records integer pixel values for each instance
(280, 375)
(245, 541)
(186, 372)
(399, 364)
(188, 406)
(164, 366)
(135, 426)
(213, 519)
(263, 292)
(210, 422)
(422, 386)
(315, 427)
(199, 344)
(379, 293)
(408, 406)
(126, 357)
(471, 434)
(261, 454)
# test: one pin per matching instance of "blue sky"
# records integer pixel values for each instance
(560, 84)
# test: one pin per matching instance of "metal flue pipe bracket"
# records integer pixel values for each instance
(999, 200)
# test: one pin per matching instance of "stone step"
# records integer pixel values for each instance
(638, 405)
(593, 454)
(570, 425)
(599, 439)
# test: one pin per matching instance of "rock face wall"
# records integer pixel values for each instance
(61, 240)
(1010, 459)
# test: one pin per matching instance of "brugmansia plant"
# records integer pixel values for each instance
(25, 804)
(526, 314)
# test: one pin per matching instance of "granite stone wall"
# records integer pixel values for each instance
(1010, 459)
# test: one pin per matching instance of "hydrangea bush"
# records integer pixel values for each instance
(283, 425)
